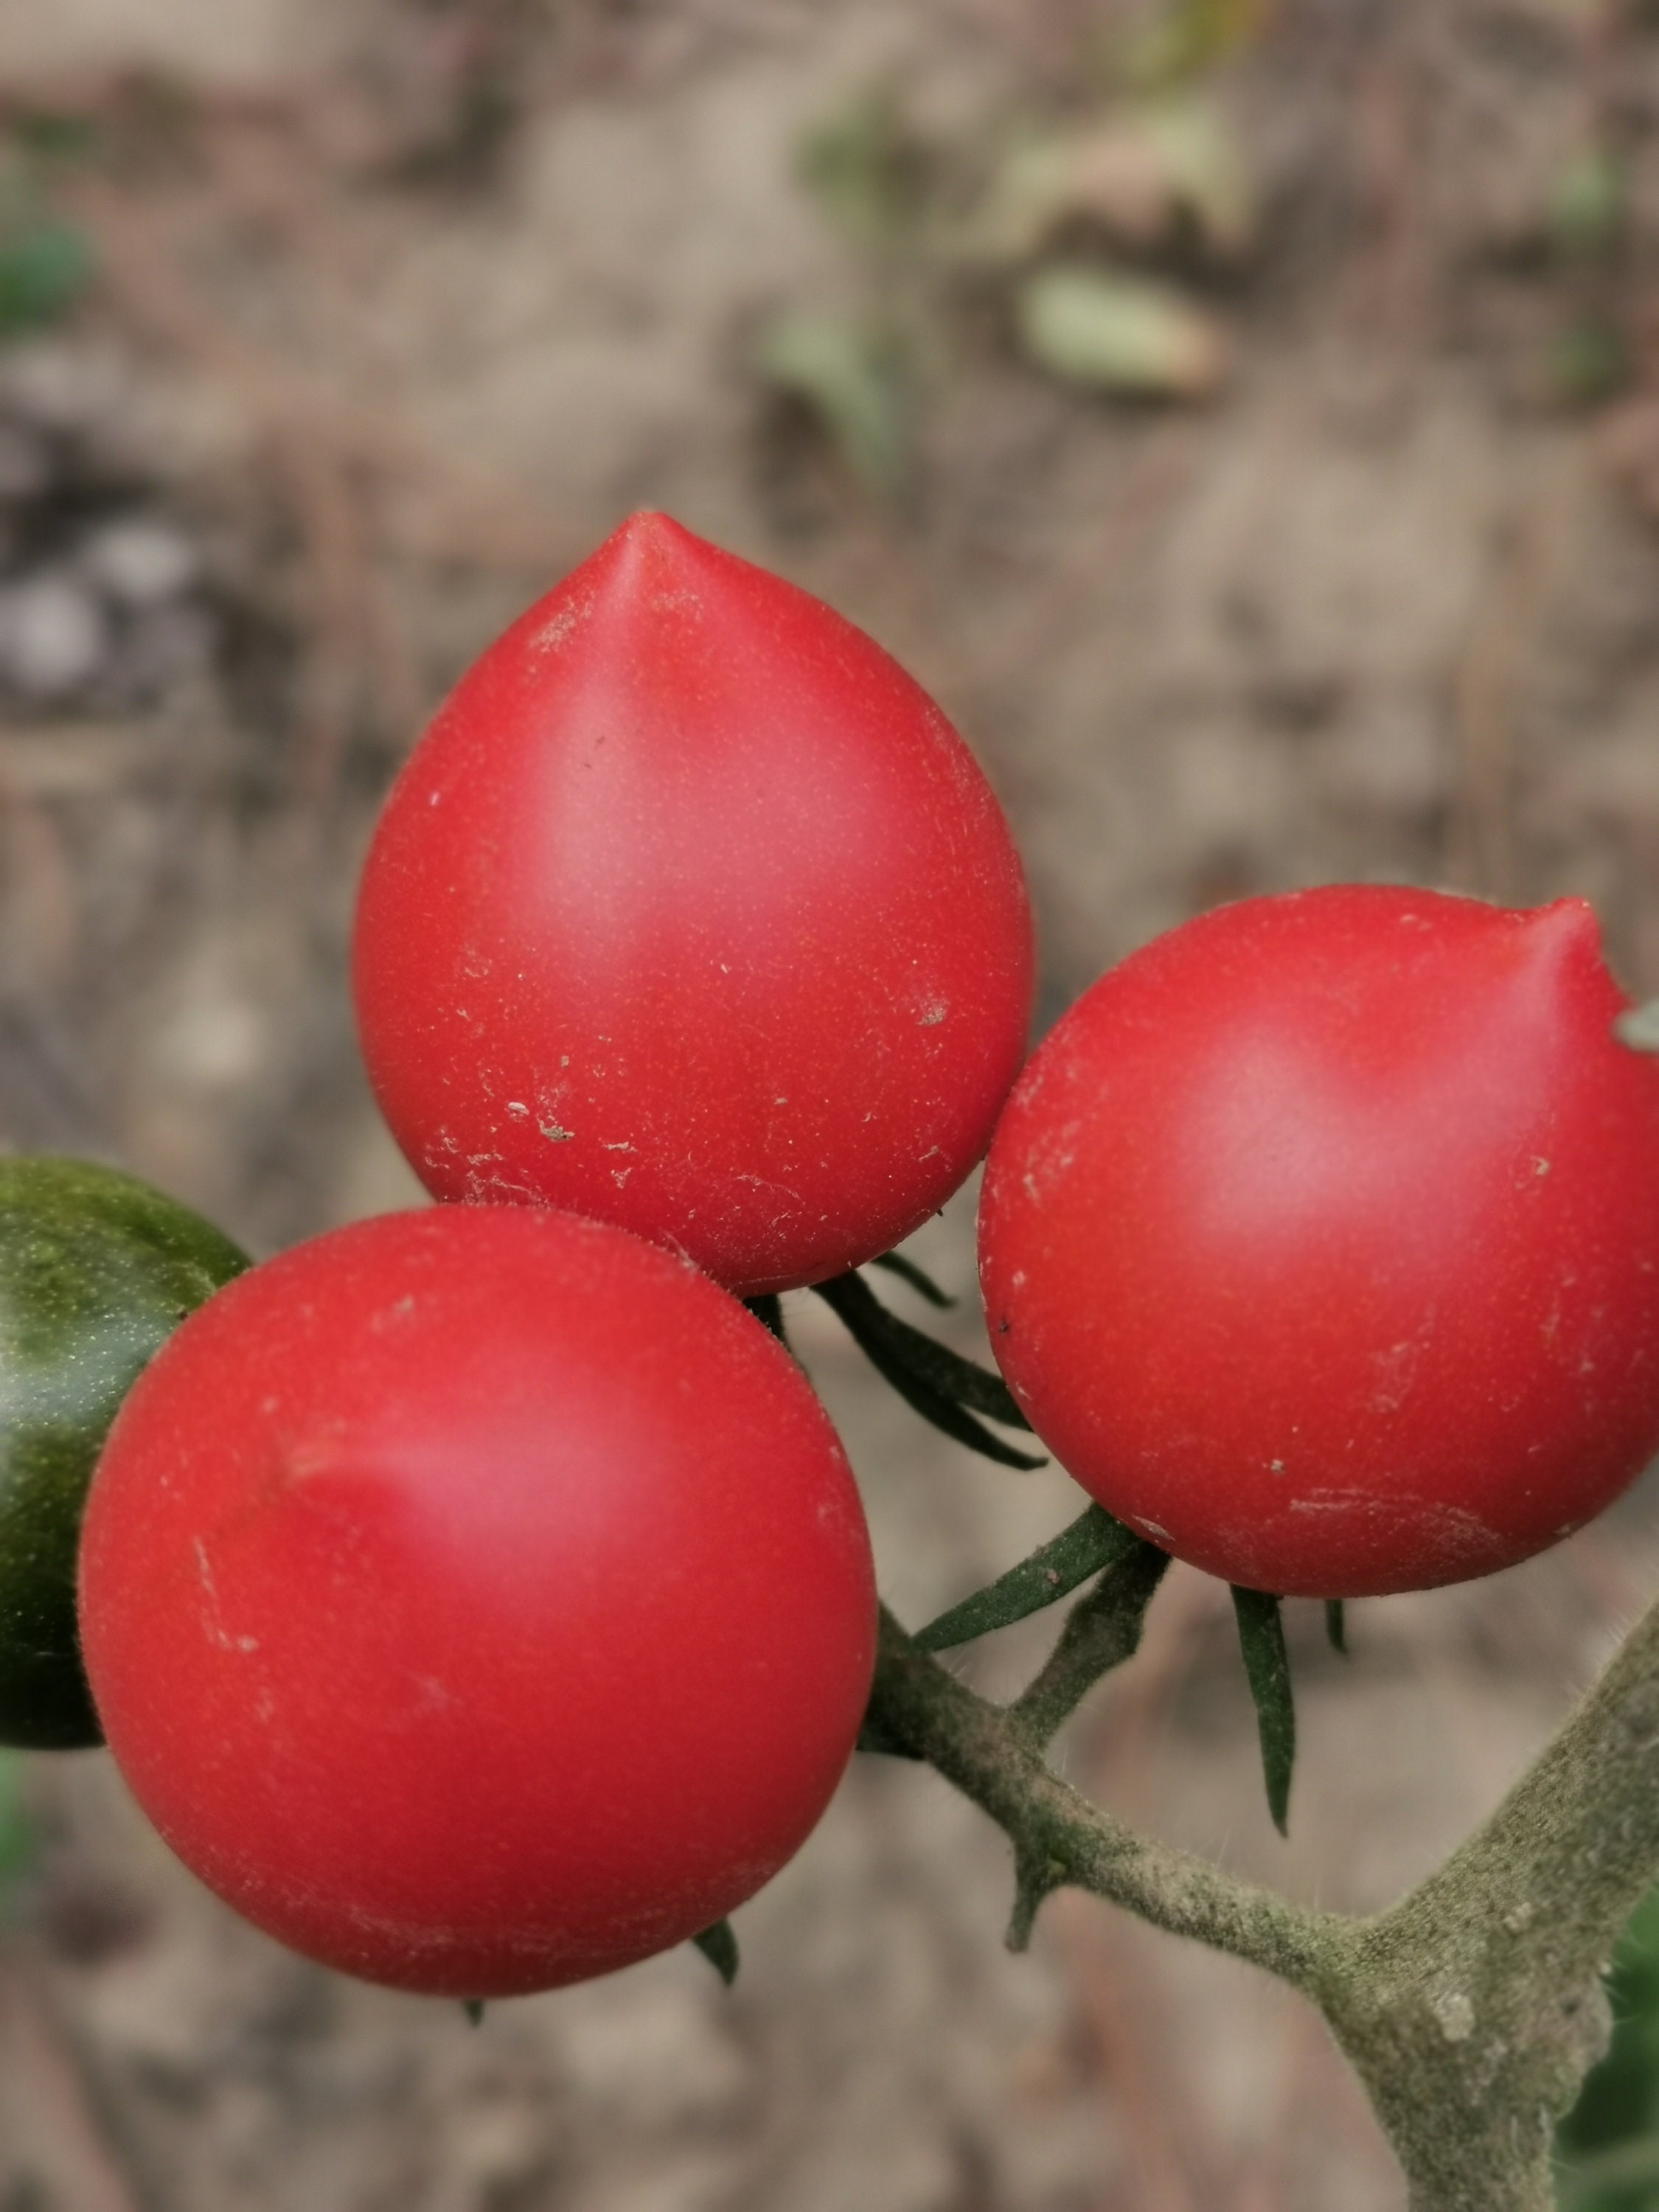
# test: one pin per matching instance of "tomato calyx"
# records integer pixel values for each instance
(947, 1390)
(1082, 1548)
(1268, 1669)
(1094, 1548)
(720, 1947)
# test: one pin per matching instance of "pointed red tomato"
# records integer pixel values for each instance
(1320, 1239)
(690, 912)
(478, 1599)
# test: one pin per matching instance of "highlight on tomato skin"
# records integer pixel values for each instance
(691, 912)
(1320, 1239)
(478, 1600)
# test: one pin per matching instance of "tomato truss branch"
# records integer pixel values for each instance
(1101, 1632)
(1472, 2009)
(993, 1754)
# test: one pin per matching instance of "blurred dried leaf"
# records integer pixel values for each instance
(846, 370)
(866, 169)
(1118, 333)
(1139, 176)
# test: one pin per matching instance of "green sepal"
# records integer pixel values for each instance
(720, 1947)
(1336, 1625)
(1267, 1667)
(1086, 1544)
(907, 1272)
(474, 2009)
(933, 1380)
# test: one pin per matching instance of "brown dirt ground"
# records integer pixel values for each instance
(1385, 608)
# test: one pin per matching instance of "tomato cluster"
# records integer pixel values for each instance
(478, 1598)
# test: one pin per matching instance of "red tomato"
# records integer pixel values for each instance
(477, 1599)
(690, 912)
(1320, 1239)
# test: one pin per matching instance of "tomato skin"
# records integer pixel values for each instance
(690, 912)
(1320, 1239)
(96, 1271)
(477, 1599)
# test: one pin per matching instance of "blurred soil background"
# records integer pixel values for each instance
(1245, 418)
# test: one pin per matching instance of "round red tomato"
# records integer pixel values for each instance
(1320, 1239)
(478, 1600)
(690, 912)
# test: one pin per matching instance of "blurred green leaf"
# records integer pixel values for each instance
(1118, 333)
(846, 370)
(44, 266)
(866, 169)
(1609, 2141)
(17, 1835)
(46, 134)
(1586, 361)
(1585, 205)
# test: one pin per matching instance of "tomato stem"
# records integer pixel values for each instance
(1471, 2011)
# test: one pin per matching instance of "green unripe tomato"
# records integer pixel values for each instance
(96, 1271)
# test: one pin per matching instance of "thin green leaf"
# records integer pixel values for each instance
(474, 2009)
(720, 1947)
(1054, 1570)
(934, 1364)
(1336, 1625)
(1268, 1666)
(907, 1271)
